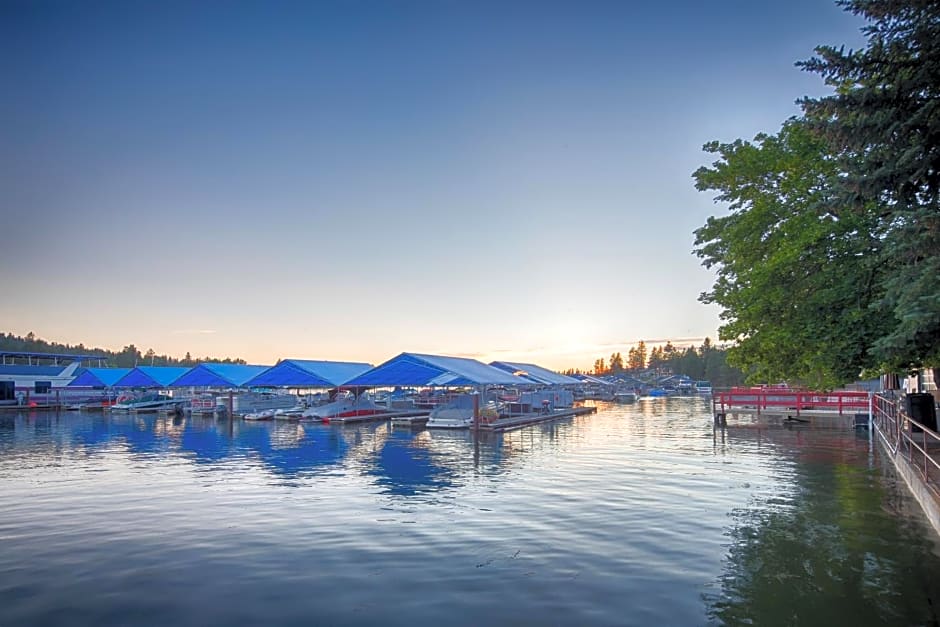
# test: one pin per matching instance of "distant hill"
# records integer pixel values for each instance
(128, 357)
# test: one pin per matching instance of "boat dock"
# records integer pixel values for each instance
(524, 420)
(414, 413)
(828, 409)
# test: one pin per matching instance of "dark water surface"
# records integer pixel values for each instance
(639, 515)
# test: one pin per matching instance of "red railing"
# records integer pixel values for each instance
(769, 398)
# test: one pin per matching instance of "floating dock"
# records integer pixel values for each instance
(524, 420)
(414, 413)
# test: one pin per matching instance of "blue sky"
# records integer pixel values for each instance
(349, 180)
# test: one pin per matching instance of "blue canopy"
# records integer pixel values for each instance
(98, 377)
(415, 369)
(537, 374)
(150, 377)
(218, 375)
(309, 373)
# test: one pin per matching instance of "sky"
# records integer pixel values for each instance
(350, 180)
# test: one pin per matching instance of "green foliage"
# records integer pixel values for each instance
(883, 122)
(796, 279)
(828, 262)
(128, 357)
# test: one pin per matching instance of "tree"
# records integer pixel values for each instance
(616, 363)
(599, 367)
(636, 356)
(883, 121)
(797, 276)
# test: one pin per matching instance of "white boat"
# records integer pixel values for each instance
(703, 387)
(626, 397)
(289, 413)
(147, 402)
(251, 402)
(261, 414)
(458, 413)
(346, 407)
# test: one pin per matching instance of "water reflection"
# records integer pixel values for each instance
(638, 515)
(815, 549)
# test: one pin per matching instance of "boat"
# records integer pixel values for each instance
(250, 402)
(458, 413)
(626, 396)
(261, 414)
(289, 413)
(147, 402)
(703, 387)
(204, 404)
(346, 407)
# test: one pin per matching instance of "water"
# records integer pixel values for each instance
(639, 515)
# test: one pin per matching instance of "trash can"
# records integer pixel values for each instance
(921, 408)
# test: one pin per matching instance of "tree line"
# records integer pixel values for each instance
(705, 362)
(827, 263)
(128, 357)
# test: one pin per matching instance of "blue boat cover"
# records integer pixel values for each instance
(98, 377)
(535, 373)
(150, 377)
(218, 375)
(415, 369)
(309, 373)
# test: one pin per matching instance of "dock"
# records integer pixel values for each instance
(524, 420)
(414, 413)
(778, 405)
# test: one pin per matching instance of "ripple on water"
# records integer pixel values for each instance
(641, 514)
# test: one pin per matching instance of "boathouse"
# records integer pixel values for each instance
(420, 370)
(151, 377)
(308, 373)
(98, 378)
(534, 373)
(215, 375)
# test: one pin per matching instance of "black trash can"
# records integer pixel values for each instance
(920, 408)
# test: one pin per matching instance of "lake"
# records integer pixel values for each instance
(640, 514)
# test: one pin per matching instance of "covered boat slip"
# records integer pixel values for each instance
(418, 370)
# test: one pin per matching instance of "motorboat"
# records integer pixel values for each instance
(147, 402)
(289, 413)
(458, 413)
(703, 387)
(261, 414)
(346, 407)
(626, 396)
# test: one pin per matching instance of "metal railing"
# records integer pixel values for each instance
(903, 435)
(762, 399)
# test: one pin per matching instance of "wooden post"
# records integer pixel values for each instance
(231, 405)
(476, 412)
(57, 405)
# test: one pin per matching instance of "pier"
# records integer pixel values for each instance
(831, 409)
(524, 420)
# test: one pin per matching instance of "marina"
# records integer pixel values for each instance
(638, 514)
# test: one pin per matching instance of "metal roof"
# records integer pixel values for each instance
(30, 371)
(589, 379)
(536, 373)
(34, 355)
(150, 377)
(98, 377)
(309, 373)
(416, 369)
(218, 375)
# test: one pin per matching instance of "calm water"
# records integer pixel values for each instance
(638, 515)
